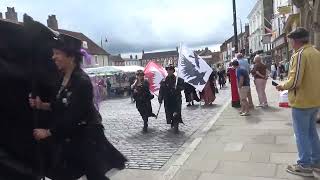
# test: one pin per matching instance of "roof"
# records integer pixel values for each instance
(93, 48)
(155, 55)
(204, 52)
(115, 58)
(129, 59)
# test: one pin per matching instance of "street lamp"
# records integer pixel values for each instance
(235, 26)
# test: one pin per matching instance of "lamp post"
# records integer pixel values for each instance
(235, 26)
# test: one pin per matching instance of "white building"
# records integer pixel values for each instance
(260, 27)
(132, 61)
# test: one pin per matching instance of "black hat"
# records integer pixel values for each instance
(67, 43)
(140, 72)
(235, 63)
(299, 33)
(170, 66)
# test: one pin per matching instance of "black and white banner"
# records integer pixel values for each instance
(192, 68)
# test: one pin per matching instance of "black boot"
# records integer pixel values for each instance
(176, 128)
(145, 126)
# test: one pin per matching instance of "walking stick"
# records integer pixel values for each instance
(159, 110)
(35, 113)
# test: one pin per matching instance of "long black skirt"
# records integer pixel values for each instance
(90, 153)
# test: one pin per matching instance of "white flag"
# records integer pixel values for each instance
(193, 69)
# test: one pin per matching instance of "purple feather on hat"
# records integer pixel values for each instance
(87, 56)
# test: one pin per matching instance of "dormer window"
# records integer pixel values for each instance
(85, 44)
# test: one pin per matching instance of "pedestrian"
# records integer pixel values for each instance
(244, 87)
(244, 64)
(303, 91)
(235, 99)
(143, 97)
(190, 94)
(209, 91)
(273, 71)
(170, 93)
(131, 81)
(108, 87)
(77, 127)
(281, 71)
(222, 76)
(259, 73)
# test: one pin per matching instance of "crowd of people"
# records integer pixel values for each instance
(303, 89)
(76, 133)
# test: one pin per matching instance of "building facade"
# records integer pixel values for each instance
(163, 58)
(260, 27)
(116, 60)
(282, 11)
(227, 50)
(309, 17)
(211, 58)
(132, 61)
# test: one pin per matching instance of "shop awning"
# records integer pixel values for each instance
(128, 68)
(102, 71)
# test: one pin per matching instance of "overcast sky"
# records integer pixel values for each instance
(133, 25)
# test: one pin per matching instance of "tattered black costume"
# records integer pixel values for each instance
(171, 94)
(143, 97)
(77, 145)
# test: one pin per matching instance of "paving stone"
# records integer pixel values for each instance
(248, 139)
(270, 148)
(123, 127)
(187, 175)
(230, 147)
(285, 140)
(246, 169)
(283, 158)
(207, 176)
(260, 157)
(228, 156)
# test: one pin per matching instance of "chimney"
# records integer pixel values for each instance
(0, 15)
(136, 56)
(130, 56)
(11, 14)
(177, 48)
(206, 48)
(142, 52)
(119, 55)
(52, 22)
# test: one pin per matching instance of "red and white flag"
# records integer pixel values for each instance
(154, 73)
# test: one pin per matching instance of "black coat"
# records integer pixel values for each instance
(190, 93)
(79, 133)
(143, 96)
(171, 95)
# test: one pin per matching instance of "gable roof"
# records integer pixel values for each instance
(93, 48)
(155, 55)
(115, 58)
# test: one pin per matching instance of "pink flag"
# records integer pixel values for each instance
(154, 73)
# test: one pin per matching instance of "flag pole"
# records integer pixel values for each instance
(179, 56)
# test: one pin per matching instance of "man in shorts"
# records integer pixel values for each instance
(244, 88)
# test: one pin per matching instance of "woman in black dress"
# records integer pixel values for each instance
(143, 97)
(77, 128)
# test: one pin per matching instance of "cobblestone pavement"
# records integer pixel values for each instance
(153, 149)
